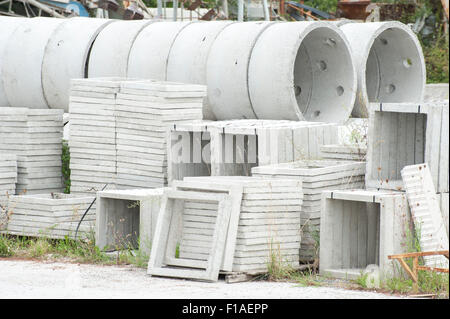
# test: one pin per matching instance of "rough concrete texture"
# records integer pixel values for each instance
(362, 227)
(66, 57)
(23, 55)
(30, 279)
(227, 70)
(150, 51)
(189, 53)
(389, 61)
(436, 92)
(8, 25)
(110, 52)
(306, 70)
(54, 215)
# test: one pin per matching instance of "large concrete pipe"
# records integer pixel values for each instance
(227, 70)
(66, 57)
(111, 49)
(302, 70)
(22, 67)
(150, 50)
(7, 27)
(389, 62)
(189, 54)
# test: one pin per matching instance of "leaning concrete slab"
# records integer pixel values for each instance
(166, 235)
(426, 213)
(362, 227)
(402, 134)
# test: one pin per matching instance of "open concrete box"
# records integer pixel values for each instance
(403, 134)
(127, 218)
(361, 227)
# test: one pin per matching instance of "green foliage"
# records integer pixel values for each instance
(65, 157)
(436, 56)
(5, 246)
(323, 5)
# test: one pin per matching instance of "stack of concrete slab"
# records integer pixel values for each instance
(268, 227)
(363, 227)
(402, 134)
(237, 146)
(54, 215)
(144, 109)
(343, 152)
(8, 175)
(317, 176)
(35, 137)
(92, 134)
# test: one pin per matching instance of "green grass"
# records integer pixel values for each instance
(80, 251)
(65, 157)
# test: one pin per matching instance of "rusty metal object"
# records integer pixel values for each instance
(352, 9)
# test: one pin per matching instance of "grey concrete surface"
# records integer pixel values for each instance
(31, 279)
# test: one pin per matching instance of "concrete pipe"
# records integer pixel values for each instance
(7, 27)
(189, 54)
(150, 51)
(389, 62)
(302, 70)
(66, 57)
(22, 67)
(227, 70)
(111, 49)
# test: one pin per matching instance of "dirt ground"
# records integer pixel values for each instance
(32, 279)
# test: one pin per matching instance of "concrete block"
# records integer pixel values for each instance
(436, 92)
(426, 213)
(127, 218)
(363, 227)
(53, 214)
(403, 134)
(166, 236)
(316, 176)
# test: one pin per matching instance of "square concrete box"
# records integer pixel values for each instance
(127, 218)
(361, 227)
(402, 134)
(232, 148)
(54, 215)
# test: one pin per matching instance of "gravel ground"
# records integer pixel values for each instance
(31, 279)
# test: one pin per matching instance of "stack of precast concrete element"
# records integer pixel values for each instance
(314, 71)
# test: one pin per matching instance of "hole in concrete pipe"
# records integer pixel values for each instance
(318, 99)
(298, 90)
(386, 64)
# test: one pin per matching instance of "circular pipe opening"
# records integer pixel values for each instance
(324, 71)
(394, 71)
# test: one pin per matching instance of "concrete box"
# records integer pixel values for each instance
(127, 218)
(402, 134)
(363, 227)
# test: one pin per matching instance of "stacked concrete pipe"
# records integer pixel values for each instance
(302, 71)
(111, 50)
(268, 70)
(189, 54)
(66, 56)
(389, 62)
(22, 66)
(7, 27)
